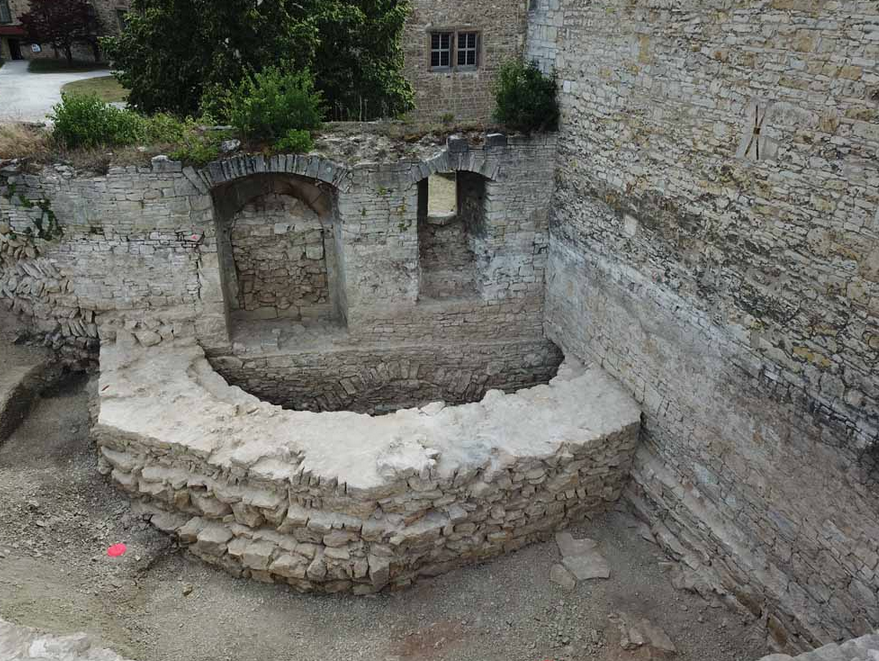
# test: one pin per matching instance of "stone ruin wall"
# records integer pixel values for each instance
(151, 247)
(280, 246)
(735, 296)
(377, 380)
(335, 502)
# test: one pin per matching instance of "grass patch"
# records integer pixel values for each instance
(22, 140)
(62, 66)
(106, 88)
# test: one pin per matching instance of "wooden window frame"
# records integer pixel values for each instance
(454, 41)
(467, 49)
(439, 50)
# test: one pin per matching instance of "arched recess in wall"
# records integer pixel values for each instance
(451, 228)
(278, 243)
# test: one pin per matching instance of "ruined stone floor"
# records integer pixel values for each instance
(58, 516)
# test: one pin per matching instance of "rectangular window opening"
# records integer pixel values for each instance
(468, 49)
(441, 50)
(5, 13)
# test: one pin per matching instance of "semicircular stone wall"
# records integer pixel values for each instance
(335, 502)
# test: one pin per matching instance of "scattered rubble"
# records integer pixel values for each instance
(26, 644)
(581, 557)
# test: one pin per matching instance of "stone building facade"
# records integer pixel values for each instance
(715, 245)
(452, 53)
(13, 39)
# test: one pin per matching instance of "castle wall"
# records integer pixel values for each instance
(464, 95)
(714, 244)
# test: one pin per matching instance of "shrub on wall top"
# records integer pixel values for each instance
(86, 121)
(270, 104)
(525, 98)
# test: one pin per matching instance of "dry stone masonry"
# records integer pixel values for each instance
(336, 502)
(865, 648)
(714, 247)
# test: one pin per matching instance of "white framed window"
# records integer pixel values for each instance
(441, 50)
(468, 50)
(5, 13)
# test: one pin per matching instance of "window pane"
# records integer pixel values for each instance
(468, 49)
(5, 14)
(441, 49)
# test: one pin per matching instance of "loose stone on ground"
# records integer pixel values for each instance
(581, 557)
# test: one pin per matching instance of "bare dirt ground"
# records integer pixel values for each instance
(58, 516)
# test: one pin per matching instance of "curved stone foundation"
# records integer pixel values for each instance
(378, 380)
(335, 502)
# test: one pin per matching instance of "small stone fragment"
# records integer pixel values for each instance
(570, 546)
(587, 566)
(562, 577)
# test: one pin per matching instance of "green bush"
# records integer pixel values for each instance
(164, 129)
(86, 121)
(270, 104)
(196, 151)
(296, 141)
(526, 98)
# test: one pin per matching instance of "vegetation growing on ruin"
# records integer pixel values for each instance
(351, 46)
(272, 105)
(526, 98)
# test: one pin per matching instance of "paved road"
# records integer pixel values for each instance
(29, 97)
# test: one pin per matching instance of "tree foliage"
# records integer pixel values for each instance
(182, 55)
(526, 98)
(62, 24)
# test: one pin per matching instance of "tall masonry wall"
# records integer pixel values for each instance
(715, 245)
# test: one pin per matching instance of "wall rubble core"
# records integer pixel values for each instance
(335, 502)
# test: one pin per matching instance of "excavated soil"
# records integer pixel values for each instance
(58, 517)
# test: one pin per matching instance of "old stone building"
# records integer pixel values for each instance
(704, 228)
(453, 51)
(14, 44)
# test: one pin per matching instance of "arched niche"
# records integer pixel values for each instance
(279, 252)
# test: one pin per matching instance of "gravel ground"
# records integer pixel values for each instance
(58, 516)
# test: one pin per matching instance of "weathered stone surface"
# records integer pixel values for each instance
(586, 566)
(562, 577)
(19, 643)
(727, 279)
(348, 502)
(865, 648)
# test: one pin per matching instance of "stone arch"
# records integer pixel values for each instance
(277, 239)
(308, 166)
(449, 242)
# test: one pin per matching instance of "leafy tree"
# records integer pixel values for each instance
(184, 56)
(526, 98)
(62, 24)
